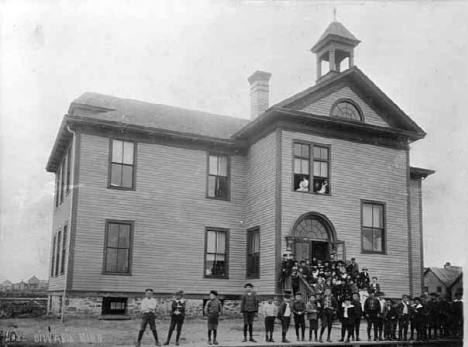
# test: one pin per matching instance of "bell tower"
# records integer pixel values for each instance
(336, 44)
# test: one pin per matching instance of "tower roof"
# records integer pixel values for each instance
(337, 31)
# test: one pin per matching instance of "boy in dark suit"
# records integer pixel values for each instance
(177, 317)
(298, 309)
(358, 310)
(403, 311)
(328, 305)
(284, 315)
(347, 315)
(249, 308)
(213, 309)
(372, 312)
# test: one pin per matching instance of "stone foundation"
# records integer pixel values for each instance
(91, 306)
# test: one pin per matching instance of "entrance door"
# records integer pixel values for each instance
(320, 250)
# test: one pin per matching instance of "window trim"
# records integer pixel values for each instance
(130, 248)
(252, 230)
(64, 249)
(217, 229)
(352, 102)
(57, 253)
(109, 174)
(228, 198)
(384, 236)
(68, 173)
(54, 245)
(311, 166)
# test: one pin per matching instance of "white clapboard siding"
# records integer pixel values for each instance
(416, 234)
(170, 212)
(358, 171)
(323, 106)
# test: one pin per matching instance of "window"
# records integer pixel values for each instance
(69, 168)
(319, 155)
(122, 164)
(346, 109)
(253, 253)
(57, 253)
(64, 250)
(373, 230)
(52, 268)
(62, 185)
(426, 289)
(216, 246)
(218, 176)
(118, 247)
(114, 305)
(439, 289)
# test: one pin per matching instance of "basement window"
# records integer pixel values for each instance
(113, 305)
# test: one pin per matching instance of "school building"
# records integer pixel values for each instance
(156, 196)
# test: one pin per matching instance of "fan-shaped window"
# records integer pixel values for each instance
(311, 228)
(348, 110)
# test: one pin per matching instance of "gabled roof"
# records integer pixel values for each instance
(447, 275)
(7, 283)
(158, 116)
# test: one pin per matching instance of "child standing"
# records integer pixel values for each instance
(270, 311)
(358, 311)
(312, 316)
(212, 310)
(249, 308)
(148, 308)
(347, 315)
(284, 315)
(177, 317)
(299, 308)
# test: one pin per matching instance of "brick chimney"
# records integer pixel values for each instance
(259, 93)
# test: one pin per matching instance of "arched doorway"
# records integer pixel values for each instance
(313, 235)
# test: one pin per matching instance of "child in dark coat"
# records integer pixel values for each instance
(249, 308)
(298, 309)
(312, 316)
(213, 309)
(177, 317)
(359, 313)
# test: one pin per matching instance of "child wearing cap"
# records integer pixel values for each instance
(249, 309)
(148, 308)
(348, 315)
(177, 316)
(312, 317)
(284, 315)
(298, 309)
(213, 309)
(269, 311)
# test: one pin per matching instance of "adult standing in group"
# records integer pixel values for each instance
(249, 309)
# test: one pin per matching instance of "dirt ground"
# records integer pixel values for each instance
(79, 332)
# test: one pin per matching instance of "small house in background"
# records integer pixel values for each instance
(445, 281)
(33, 283)
(7, 286)
(20, 286)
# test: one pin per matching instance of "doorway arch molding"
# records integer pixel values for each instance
(313, 226)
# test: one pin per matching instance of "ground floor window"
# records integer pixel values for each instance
(216, 252)
(253, 253)
(113, 305)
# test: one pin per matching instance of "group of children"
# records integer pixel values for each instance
(424, 317)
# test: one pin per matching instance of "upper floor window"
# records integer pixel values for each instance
(346, 109)
(57, 253)
(216, 246)
(64, 249)
(373, 227)
(253, 253)
(218, 176)
(117, 251)
(122, 164)
(319, 156)
(52, 268)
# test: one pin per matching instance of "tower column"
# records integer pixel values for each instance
(332, 60)
(351, 59)
(319, 67)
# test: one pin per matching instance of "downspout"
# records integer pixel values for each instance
(72, 188)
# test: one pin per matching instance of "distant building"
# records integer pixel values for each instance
(445, 281)
(43, 284)
(20, 286)
(33, 283)
(7, 286)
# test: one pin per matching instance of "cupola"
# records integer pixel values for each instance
(336, 44)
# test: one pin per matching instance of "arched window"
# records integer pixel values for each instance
(347, 109)
(311, 228)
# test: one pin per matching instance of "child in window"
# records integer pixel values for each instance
(212, 310)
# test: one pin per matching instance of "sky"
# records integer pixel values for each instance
(198, 55)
